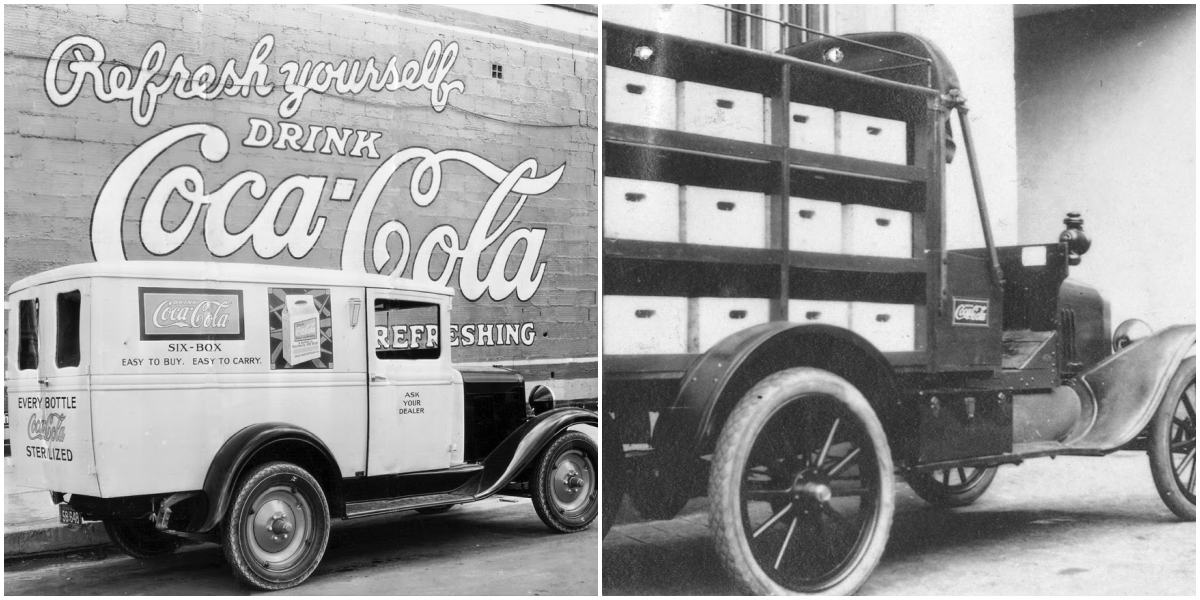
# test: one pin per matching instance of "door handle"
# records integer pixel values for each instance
(376, 378)
(44, 381)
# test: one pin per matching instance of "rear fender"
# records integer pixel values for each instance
(253, 441)
(519, 449)
(718, 379)
(1127, 387)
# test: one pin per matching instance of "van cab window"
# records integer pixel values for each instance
(27, 353)
(406, 330)
(66, 353)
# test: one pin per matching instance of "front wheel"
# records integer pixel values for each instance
(566, 483)
(950, 488)
(140, 539)
(801, 486)
(276, 530)
(1173, 443)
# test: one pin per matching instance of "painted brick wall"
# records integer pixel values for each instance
(58, 159)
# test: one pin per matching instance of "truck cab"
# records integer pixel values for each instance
(247, 405)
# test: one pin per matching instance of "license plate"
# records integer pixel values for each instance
(68, 515)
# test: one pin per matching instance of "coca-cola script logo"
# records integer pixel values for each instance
(50, 428)
(970, 312)
(176, 314)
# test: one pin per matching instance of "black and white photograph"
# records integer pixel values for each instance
(898, 299)
(301, 297)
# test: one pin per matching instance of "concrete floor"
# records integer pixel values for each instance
(1069, 526)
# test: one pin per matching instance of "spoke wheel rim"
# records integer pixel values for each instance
(1182, 442)
(809, 498)
(572, 482)
(278, 527)
(967, 478)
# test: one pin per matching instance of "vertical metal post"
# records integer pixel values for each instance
(997, 275)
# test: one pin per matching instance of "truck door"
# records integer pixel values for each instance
(415, 420)
(48, 388)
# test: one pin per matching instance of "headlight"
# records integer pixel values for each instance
(1130, 331)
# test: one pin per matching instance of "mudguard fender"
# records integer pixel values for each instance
(1128, 386)
(719, 378)
(226, 467)
(519, 449)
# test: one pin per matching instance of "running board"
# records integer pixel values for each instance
(1020, 453)
(355, 510)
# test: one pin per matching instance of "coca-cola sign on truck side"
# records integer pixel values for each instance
(180, 314)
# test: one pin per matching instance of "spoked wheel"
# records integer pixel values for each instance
(566, 486)
(959, 486)
(1173, 443)
(276, 530)
(140, 539)
(802, 487)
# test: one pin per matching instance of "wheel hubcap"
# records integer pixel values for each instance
(572, 484)
(279, 528)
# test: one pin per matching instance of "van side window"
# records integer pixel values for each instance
(406, 330)
(66, 353)
(27, 352)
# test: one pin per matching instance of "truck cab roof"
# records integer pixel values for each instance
(225, 273)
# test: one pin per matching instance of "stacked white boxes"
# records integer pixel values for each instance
(873, 231)
(890, 327)
(638, 99)
(713, 319)
(814, 225)
(809, 127)
(645, 325)
(872, 138)
(828, 312)
(719, 112)
(635, 209)
(723, 217)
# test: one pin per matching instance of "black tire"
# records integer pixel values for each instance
(435, 510)
(613, 465)
(1173, 443)
(140, 539)
(566, 483)
(814, 435)
(951, 488)
(277, 527)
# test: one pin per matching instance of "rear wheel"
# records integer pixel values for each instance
(802, 487)
(1173, 443)
(949, 488)
(276, 530)
(140, 539)
(566, 483)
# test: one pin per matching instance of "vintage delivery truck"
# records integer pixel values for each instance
(793, 331)
(247, 405)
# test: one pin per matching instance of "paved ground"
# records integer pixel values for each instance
(494, 547)
(1069, 526)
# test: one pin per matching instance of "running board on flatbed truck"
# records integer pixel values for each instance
(1020, 453)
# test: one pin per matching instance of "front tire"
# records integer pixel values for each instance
(1173, 443)
(276, 530)
(140, 539)
(950, 488)
(566, 483)
(802, 487)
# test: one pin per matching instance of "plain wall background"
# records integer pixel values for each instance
(1106, 125)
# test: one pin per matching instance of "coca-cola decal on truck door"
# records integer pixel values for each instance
(969, 312)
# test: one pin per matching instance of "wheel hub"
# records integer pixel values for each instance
(572, 482)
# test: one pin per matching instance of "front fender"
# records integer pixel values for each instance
(719, 378)
(226, 467)
(1127, 387)
(515, 453)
